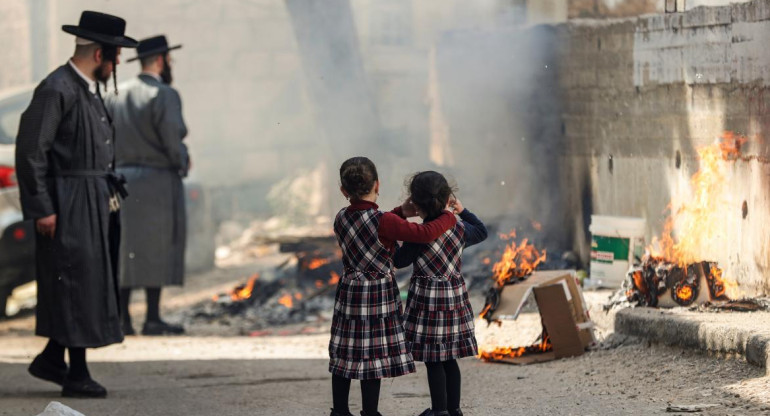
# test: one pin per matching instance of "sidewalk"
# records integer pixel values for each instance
(743, 333)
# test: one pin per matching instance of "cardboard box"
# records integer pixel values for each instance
(562, 310)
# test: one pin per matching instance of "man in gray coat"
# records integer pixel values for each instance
(153, 158)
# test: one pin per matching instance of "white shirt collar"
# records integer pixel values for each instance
(91, 83)
(156, 76)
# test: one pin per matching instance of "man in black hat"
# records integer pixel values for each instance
(152, 156)
(64, 161)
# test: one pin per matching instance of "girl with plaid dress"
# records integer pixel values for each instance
(367, 336)
(438, 319)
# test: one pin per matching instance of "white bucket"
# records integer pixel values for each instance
(615, 241)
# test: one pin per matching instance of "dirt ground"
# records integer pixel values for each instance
(285, 372)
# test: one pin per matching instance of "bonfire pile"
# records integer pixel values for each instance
(516, 264)
(656, 276)
(674, 264)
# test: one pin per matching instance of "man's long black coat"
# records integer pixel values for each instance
(66, 128)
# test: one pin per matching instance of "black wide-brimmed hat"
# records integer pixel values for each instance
(153, 46)
(102, 28)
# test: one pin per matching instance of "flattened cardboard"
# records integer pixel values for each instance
(513, 297)
(562, 309)
(530, 358)
(558, 321)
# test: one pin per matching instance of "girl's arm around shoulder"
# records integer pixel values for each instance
(394, 228)
(475, 231)
(406, 254)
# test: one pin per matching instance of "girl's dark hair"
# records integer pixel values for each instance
(358, 175)
(430, 191)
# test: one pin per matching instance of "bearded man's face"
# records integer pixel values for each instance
(165, 73)
(102, 72)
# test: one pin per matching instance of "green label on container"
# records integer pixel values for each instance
(608, 249)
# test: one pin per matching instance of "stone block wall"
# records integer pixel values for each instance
(642, 93)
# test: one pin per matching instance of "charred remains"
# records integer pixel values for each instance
(656, 278)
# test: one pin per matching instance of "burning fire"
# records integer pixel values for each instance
(698, 219)
(696, 216)
(517, 262)
(243, 291)
(317, 262)
(335, 278)
(500, 353)
(286, 300)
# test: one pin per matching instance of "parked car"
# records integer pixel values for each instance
(17, 238)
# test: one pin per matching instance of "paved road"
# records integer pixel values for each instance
(288, 376)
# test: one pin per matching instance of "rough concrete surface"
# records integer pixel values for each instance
(287, 375)
(746, 334)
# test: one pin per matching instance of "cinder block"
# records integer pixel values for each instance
(707, 16)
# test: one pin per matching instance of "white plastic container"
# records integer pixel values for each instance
(615, 241)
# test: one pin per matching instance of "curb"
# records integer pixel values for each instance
(695, 331)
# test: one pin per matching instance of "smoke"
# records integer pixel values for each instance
(274, 89)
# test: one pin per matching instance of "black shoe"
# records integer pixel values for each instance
(370, 414)
(161, 328)
(128, 329)
(87, 388)
(336, 413)
(456, 412)
(46, 370)
(431, 412)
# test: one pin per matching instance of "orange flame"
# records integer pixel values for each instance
(319, 284)
(244, 291)
(335, 278)
(286, 301)
(730, 144)
(697, 217)
(499, 353)
(317, 262)
(684, 292)
(518, 261)
(298, 296)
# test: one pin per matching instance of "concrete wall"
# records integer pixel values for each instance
(15, 37)
(639, 91)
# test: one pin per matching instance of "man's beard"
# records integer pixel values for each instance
(165, 73)
(102, 73)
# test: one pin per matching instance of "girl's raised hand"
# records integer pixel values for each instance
(408, 208)
(457, 206)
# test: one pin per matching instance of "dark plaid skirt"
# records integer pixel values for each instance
(439, 319)
(367, 336)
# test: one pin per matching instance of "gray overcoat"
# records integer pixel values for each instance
(153, 158)
(64, 157)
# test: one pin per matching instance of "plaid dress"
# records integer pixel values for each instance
(367, 334)
(439, 319)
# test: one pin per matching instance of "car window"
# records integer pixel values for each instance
(9, 126)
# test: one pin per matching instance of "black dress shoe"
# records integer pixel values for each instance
(336, 413)
(46, 370)
(456, 412)
(431, 412)
(161, 328)
(87, 388)
(128, 329)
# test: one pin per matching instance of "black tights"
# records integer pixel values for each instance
(444, 381)
(153, 304)
(370, 395)
(78, 367)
